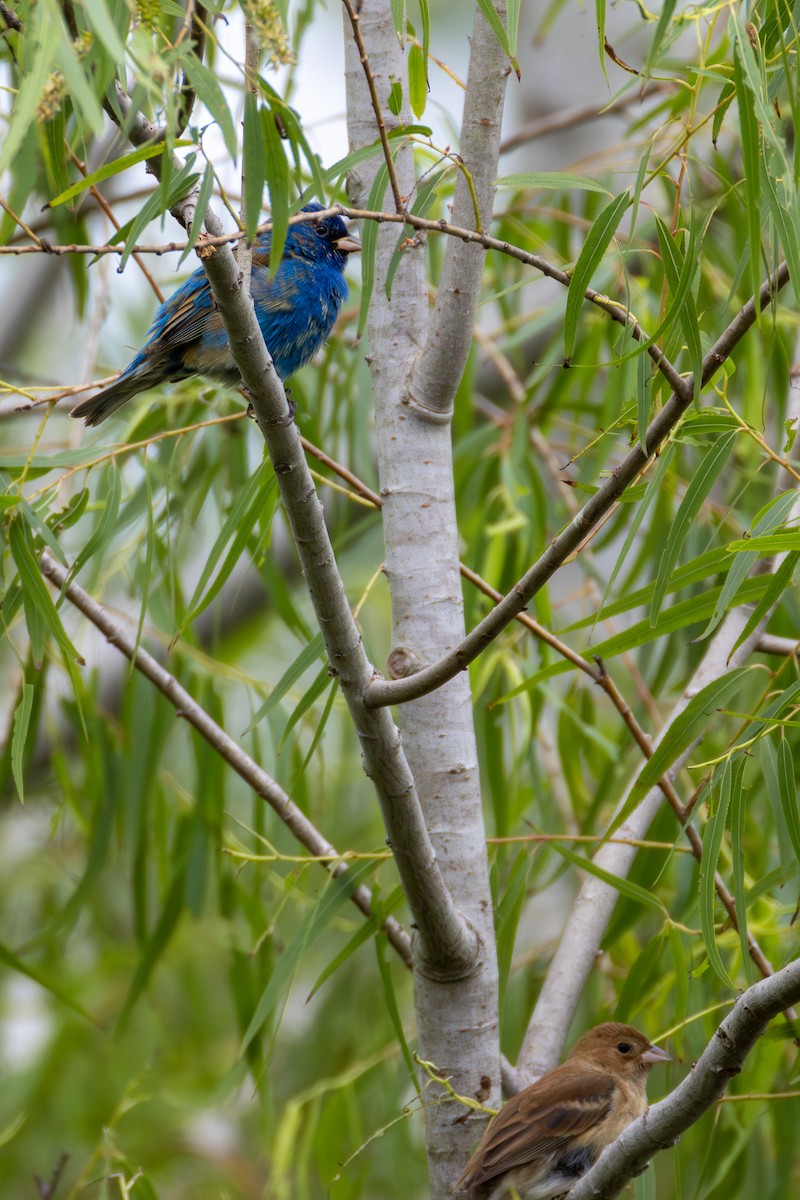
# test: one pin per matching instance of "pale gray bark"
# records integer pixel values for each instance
(457, 1019)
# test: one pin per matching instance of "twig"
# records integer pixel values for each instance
(355, 22)
(233, 754)
(399, 691)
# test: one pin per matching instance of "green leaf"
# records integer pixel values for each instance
(390, 998)
(38, 601)
(369, 246)
(783, 578)
(699, 487)
(712, 843)
(103, 25)
(687, 728)
(787, 791)
(44, 31)
(255, 502)
(625, 887)
(593, 249)
(22, 717)
(334, 895)
(554, 181)
(10, 960)
(277, 187)
(254, 164)
(490, 13)
(417, 81)
(210, 93)
(110, 169)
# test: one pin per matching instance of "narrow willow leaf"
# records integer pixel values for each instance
(625, 887)
(44, 33)
(712, 843)
(737, 865)
(106, 527)
(593, 249)
(644, 378)
(390, 997)
(787, 791)
(665, 17)
(772, 515)
(767, 544)
(156, 945)
(203, 200)
(784, 217)
(22, 717)
(417, 81)
(701, 484)
(155, 206)
(103, 25)
(210, 93)
(552, 181)
(724, 101)
(110, 169)
(81, 87)
(277, 185)
(653, 489)
(307, 657)
(425, 18)
(10, 960)
(684, 730)
(306, 702)
(369, 246)
(674, 617)
(399, 19)
(681, 273)
(490, 13)
(507, 915)
(767, 757)
(636, 989)
(335, 894)
(512, 23)
(51, 140)
(600, 15)
(783, 578)
(680, 965)
(751, 156)
(254, 164)
(37, 598)
(255, 502)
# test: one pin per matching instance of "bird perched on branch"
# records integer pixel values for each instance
(549, 1134)
(296, 310)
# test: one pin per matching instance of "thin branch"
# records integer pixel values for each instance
(568, 118)
(187, 707)
(599, 676)
(354, 17)
(398, 691)
(721, 1061)
(439, 367)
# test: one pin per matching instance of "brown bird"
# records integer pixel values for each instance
(549, 1134)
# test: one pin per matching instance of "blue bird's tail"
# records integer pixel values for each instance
(111, 398)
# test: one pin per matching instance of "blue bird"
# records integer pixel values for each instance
(296, 311)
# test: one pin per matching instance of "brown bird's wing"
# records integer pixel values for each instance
(541, 1121)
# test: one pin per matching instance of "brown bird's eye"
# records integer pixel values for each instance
(624, 1047)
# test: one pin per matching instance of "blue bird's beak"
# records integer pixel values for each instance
(348, 245)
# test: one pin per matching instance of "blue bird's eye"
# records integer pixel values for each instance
(322, 229)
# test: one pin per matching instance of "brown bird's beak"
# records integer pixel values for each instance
(349, 245)
(654, 1054)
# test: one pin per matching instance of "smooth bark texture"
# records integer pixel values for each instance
(457, 1020)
